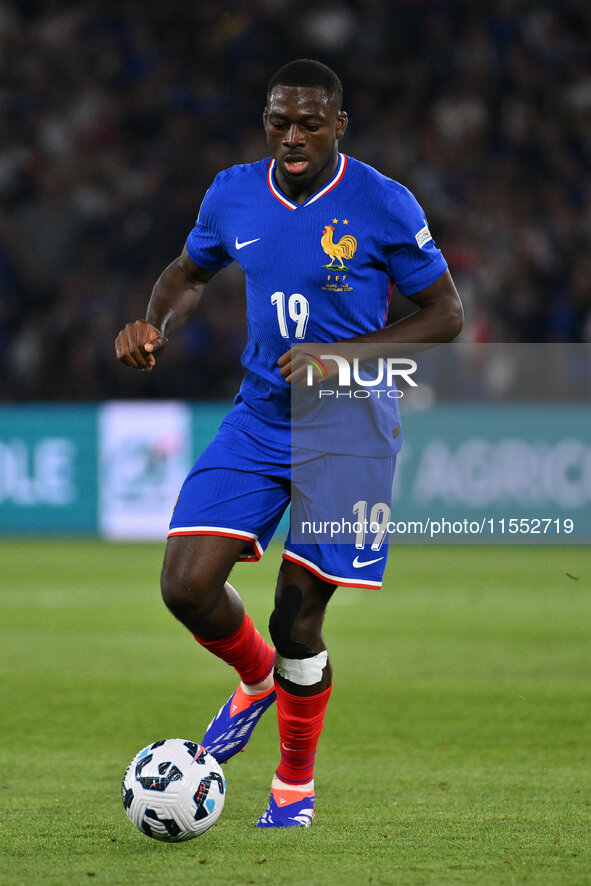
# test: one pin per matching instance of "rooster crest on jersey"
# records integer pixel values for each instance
(346, 247)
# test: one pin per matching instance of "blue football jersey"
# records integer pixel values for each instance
(321, 271)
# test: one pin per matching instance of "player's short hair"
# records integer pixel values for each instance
(308, 72)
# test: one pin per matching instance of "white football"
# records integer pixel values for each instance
(173, 790)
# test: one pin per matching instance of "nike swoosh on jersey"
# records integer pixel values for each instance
(246, 242)
(357, 564)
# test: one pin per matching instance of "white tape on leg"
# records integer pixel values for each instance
(303, 672)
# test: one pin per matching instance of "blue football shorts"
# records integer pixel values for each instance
(242, 484)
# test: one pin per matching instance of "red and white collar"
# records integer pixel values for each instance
(342, 165)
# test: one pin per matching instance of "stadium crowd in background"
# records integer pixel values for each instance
(114, 118)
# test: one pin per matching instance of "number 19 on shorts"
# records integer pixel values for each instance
(377, 523)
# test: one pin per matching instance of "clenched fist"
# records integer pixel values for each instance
(138, 343)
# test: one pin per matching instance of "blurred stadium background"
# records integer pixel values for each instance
(114, 120)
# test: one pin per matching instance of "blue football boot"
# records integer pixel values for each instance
(285, 812)
(231, 728)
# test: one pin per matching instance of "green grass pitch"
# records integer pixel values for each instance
(457, 745)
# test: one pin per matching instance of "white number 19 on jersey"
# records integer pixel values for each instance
(298, 310)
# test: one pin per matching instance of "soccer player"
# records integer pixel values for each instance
(293, 222)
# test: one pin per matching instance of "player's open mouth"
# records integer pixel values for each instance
(296, 165)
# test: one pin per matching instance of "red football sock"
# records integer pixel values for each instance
(246, 651)
(300, 724)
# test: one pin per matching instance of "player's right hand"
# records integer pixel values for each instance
(138, 344)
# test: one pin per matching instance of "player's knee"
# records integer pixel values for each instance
(301, 658)
(187, 590)
(286, 626)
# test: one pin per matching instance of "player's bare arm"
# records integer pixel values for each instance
(439, 319)
(175, 296)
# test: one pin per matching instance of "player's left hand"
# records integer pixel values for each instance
(296, 364)
(293, 365)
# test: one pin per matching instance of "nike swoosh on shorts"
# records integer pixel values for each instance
(358, 564)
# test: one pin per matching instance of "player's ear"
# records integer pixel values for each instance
(342, 121)
(265, 116)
